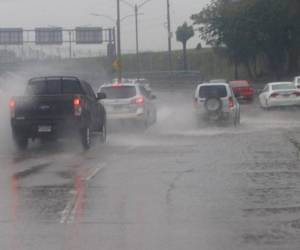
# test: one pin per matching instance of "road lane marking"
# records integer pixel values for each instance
(66, 212)
(95, 171)
(69, 213)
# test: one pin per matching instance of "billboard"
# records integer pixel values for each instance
(49, 36)
(11, 36)
(89, 35)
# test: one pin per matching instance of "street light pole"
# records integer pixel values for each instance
(136, 8)
(169, 36)
(119, 42)
(137, 42)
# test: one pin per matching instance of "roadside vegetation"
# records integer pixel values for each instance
(261, 35)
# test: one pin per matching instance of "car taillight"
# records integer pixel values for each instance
(274, 95)
(12, 107)
(230, 103)
(116, 85)
(138, 100)
(77, 104)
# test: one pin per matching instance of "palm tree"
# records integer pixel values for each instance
(183, 34)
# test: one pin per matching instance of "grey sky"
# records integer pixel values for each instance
(72, 13)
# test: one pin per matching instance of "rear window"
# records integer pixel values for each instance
(283, 86)
(213, 91)
(70, 86)
(239, 84)
(123, 92)
(53, 87)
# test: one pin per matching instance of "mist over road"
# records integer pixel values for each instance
(174, 186)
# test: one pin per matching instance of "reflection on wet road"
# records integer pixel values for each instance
(173, 186)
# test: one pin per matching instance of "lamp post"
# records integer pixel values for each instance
(136, 9)
(119, 42)
(169, 36)
(117, 24)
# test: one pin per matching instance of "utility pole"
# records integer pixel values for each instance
(119, 42)
(137, 41)
(169, 36)
(136, 8)
(70, 44)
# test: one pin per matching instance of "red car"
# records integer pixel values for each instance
(242, 89)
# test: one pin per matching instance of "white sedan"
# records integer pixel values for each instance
(279, 94)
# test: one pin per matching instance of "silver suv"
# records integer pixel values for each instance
(129, 101)
(216, 101)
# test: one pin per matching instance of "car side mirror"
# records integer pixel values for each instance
(101, 96)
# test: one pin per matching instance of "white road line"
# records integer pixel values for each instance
(95, 172)
(66, 212)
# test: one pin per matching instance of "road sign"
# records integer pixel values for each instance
(116, 64)
(89, 35)
(11, 36)
(49, 36)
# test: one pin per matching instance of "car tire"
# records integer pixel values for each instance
(154, 120)
(239, 118)
(85, 134)
(218, 100)
(21, 142)
(103, 137)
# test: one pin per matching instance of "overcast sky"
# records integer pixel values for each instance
(72, 13)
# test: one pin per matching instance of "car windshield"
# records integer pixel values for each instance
(218, 91)
(120, 92)
(283, 87)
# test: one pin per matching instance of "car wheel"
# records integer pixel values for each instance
(21, 142)
(154, 120)
(239, 118)
(235, 121)
(85, 134)
(103, 137)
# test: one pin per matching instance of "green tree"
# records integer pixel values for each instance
(251, 28)
(183, 34)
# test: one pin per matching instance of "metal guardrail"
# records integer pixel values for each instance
(167, 75)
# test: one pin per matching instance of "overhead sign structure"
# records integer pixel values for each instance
(49, 36)
(89, 35)
(11, 36)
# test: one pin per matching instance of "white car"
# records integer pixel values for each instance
(297, 82)
(217, 102)
(129, 101)
(279, 94)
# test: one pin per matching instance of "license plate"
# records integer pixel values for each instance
(44, 129)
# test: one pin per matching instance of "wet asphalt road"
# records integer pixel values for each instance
(172, 187)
